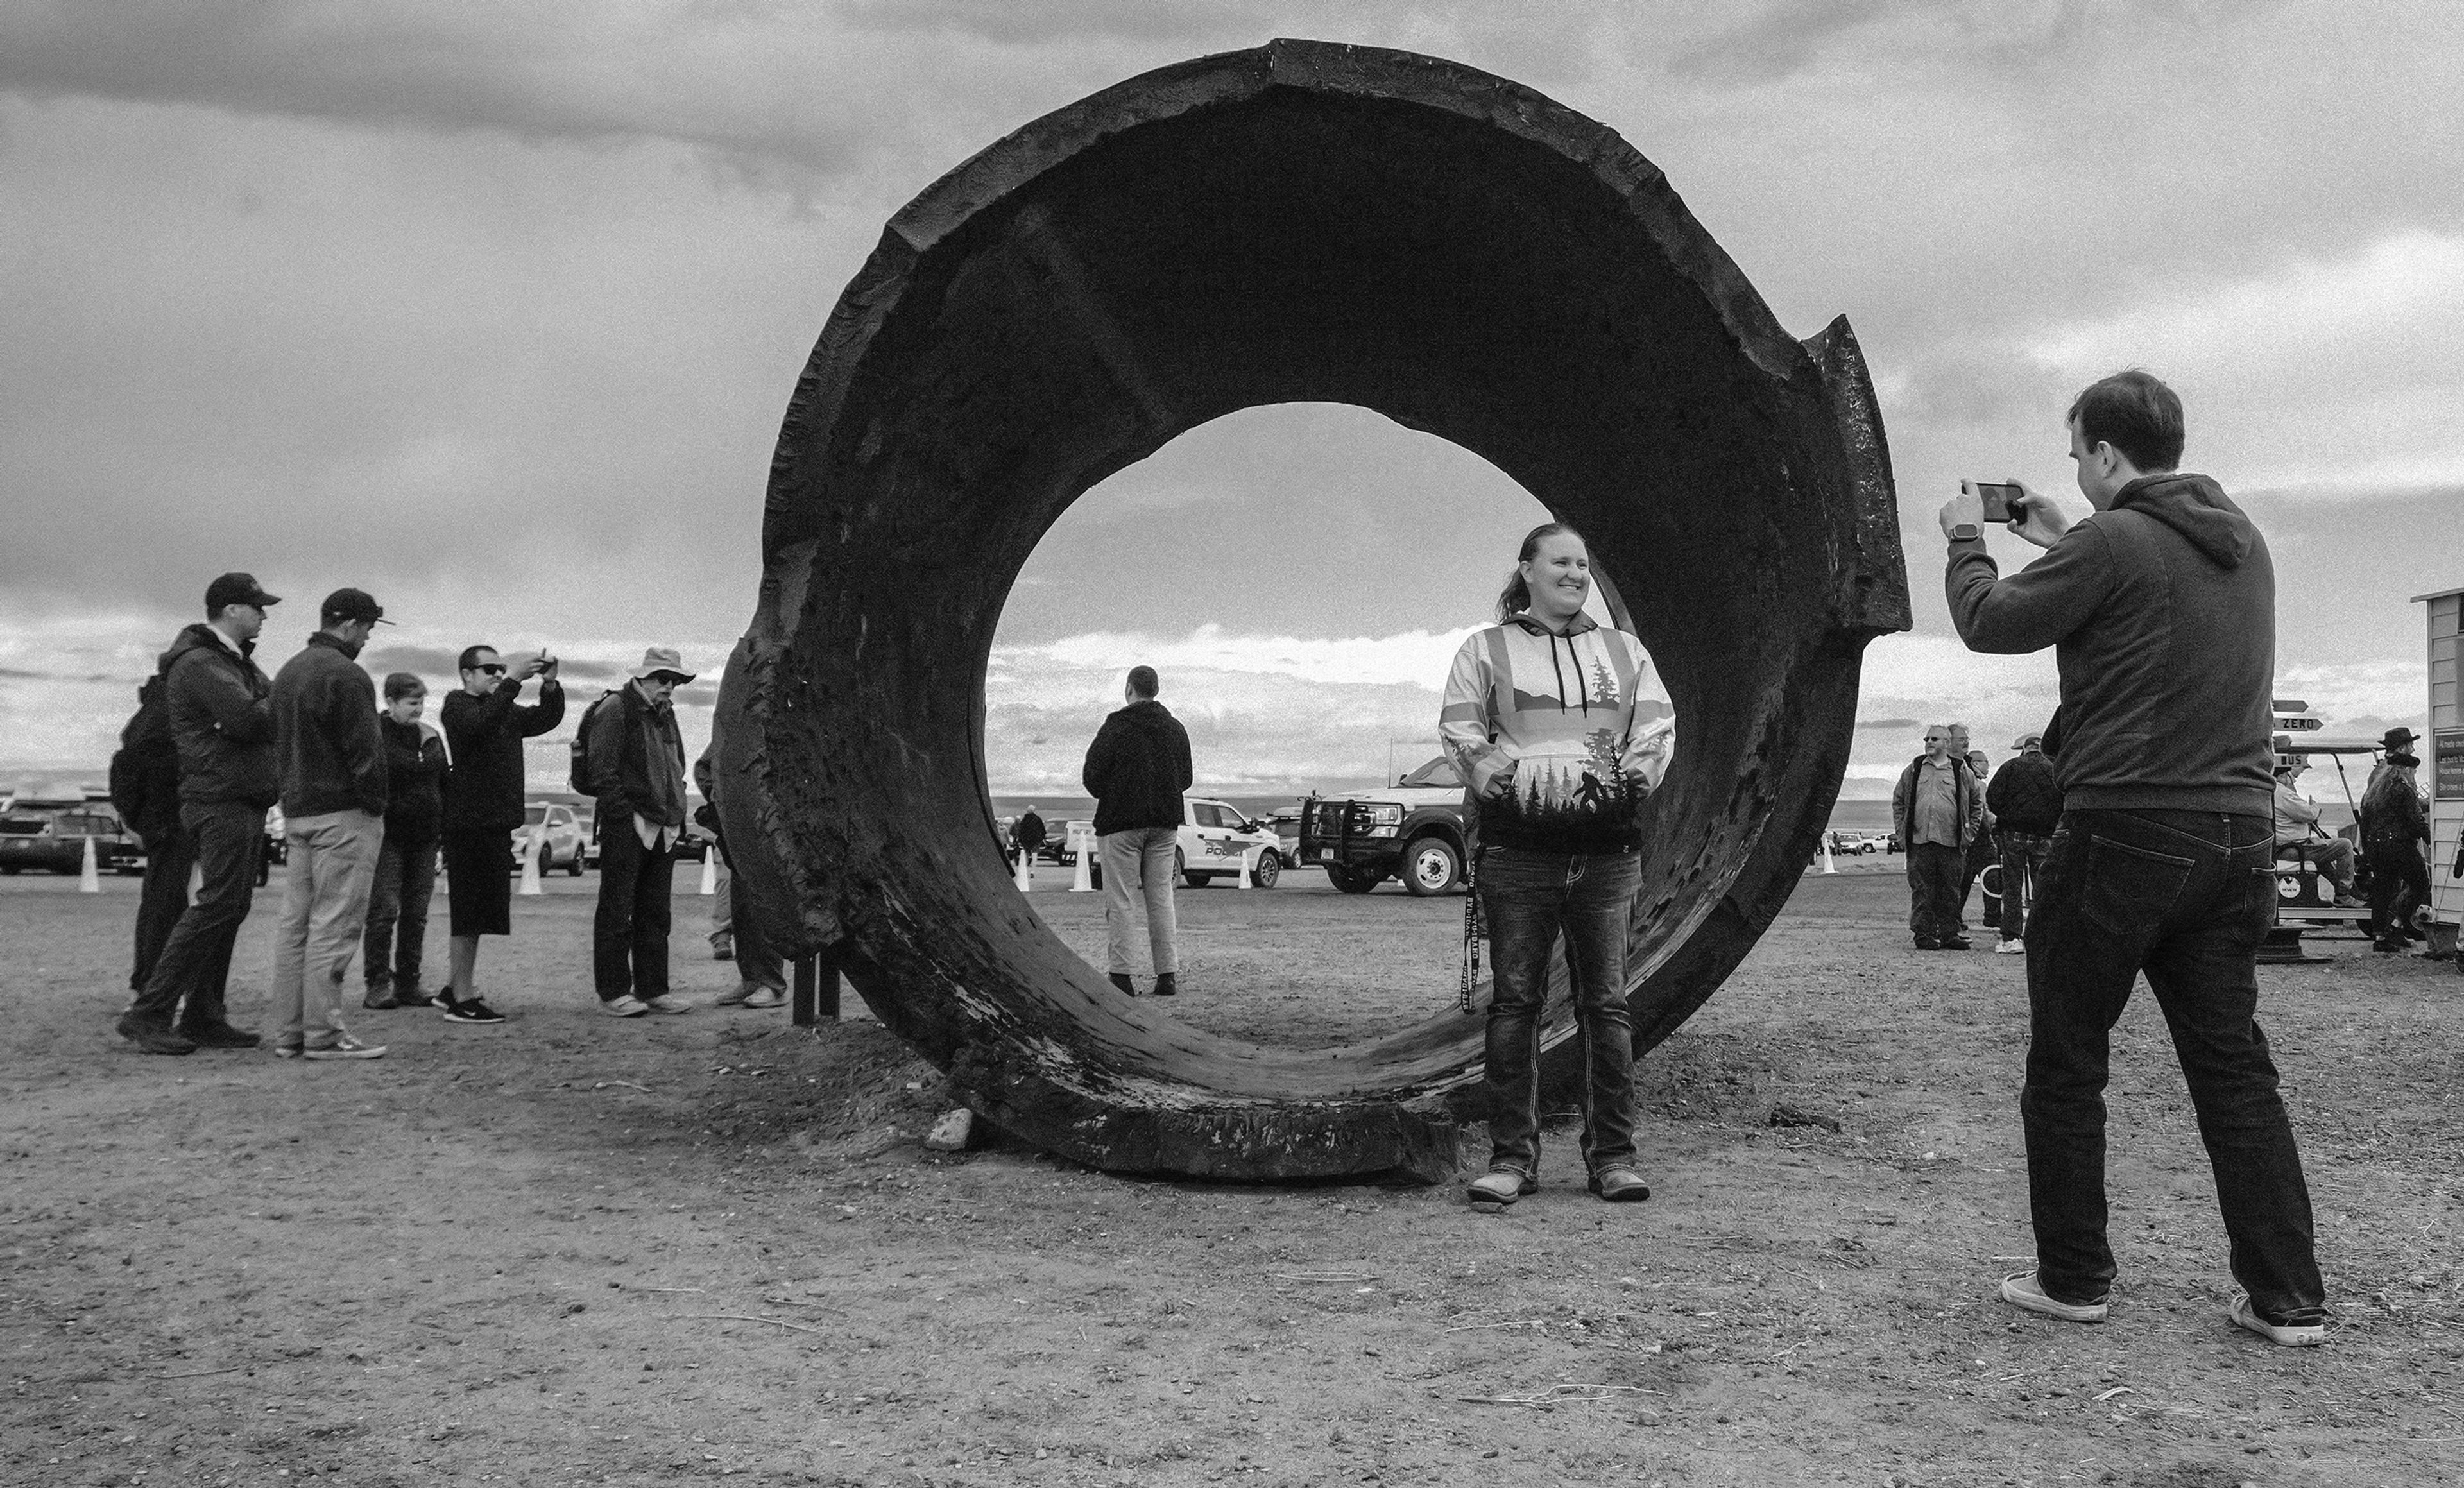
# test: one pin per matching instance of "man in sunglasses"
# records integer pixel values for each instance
(485, 724)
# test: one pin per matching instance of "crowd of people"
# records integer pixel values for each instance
(372, 797)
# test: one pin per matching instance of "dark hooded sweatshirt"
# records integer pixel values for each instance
(2162, 615)
(1136, 769)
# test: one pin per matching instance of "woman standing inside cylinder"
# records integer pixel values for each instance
(1560, 728)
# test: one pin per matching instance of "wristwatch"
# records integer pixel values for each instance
(1965, 532)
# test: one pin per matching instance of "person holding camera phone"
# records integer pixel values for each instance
(2159, 601)
(485, 724)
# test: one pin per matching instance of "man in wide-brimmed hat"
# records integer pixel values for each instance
(636, 769)
(2395, 831)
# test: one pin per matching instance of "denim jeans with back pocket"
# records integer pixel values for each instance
(2185, 897)
(1530, 900)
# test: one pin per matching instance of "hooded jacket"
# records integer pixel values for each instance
(484, 787)
(2023, 798)
(326, 732)
(1136, 769)
(414, 782)
(1557, 735)
(222, 717)
(2161, 611)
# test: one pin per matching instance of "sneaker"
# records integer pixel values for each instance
(379, 1001)
(2021, 1289)
(667, 1002)
(2347, 902)
(734, 995)
(1499, 1188)
(766, 998)
(1959, 943)
(722, 947)
(412, 997)
(151, 1038)
(286, 1051)
(628, 1006)
(345, 1047)
(219, 1036)
(472, 1010)
(1167, 985)
(1121, 979)
(2010, 946)
(1620, 1185)
(2304, 1327)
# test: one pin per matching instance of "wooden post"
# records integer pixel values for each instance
(817, 990)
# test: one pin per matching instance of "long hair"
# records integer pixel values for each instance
(1516, 596)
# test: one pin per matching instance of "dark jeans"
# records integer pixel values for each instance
(195, 962)
(397, 931)
(2185, 897)
(1530, 899)
(1934, 877)
(628, 939)
(170, 855)
(2399, 885)
(2023, 859)
(757, 960)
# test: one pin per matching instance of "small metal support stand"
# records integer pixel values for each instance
(817, 990)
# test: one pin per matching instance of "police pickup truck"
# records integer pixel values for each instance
(1412, 830)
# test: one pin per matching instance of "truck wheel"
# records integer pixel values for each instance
(1431, 866)
(1354, 881)
(1270, 868)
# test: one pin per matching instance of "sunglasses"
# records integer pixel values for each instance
(492, 669)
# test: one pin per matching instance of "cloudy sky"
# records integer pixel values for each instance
(493, 310)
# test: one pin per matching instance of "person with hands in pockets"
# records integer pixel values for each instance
(1560, 728)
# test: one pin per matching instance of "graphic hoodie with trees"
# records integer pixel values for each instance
(1558, 737)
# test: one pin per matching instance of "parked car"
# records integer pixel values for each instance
(49, 835)
(1856, 842)
(1214, 837)
(1412, 830)
(565, 838)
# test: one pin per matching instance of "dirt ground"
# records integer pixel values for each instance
(572, 1250)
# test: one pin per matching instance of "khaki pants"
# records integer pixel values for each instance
(324, 909)
(1139, 861)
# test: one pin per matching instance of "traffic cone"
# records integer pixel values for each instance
(1828, 866)
(709, 873)
(1245, 871)
(531, 889)
(1082, 873)
(1026, 875)
(90, 876)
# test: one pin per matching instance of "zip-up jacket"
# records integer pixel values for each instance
(326, 732)
(1970, 807)
(484, 787)
(1137, 767)
(414, 782)
(2024, 797)
(637, 762)
(2161, 611)
(1558, 735)
(222, 717)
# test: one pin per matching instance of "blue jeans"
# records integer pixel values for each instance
(2185, 897)
(398, 900)
(1530, 899)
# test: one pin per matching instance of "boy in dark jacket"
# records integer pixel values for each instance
(2160, 603)
(222, 721)
(333, 820)
(636, 762)
(405, 877)
(485, 724)
(1136, 769)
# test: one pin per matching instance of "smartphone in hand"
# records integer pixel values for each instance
(2003, 500)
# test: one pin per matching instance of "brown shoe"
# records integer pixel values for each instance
(1620, 1185)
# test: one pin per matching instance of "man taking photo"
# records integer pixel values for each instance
(2159, 599)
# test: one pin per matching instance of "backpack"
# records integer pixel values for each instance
(148, 760)
(578, 776)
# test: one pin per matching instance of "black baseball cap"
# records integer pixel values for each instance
(351, 604)
(237, 589)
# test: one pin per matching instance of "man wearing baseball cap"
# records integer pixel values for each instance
(333, 819)
(2026, 803)
(222, 721)
(636, 769)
